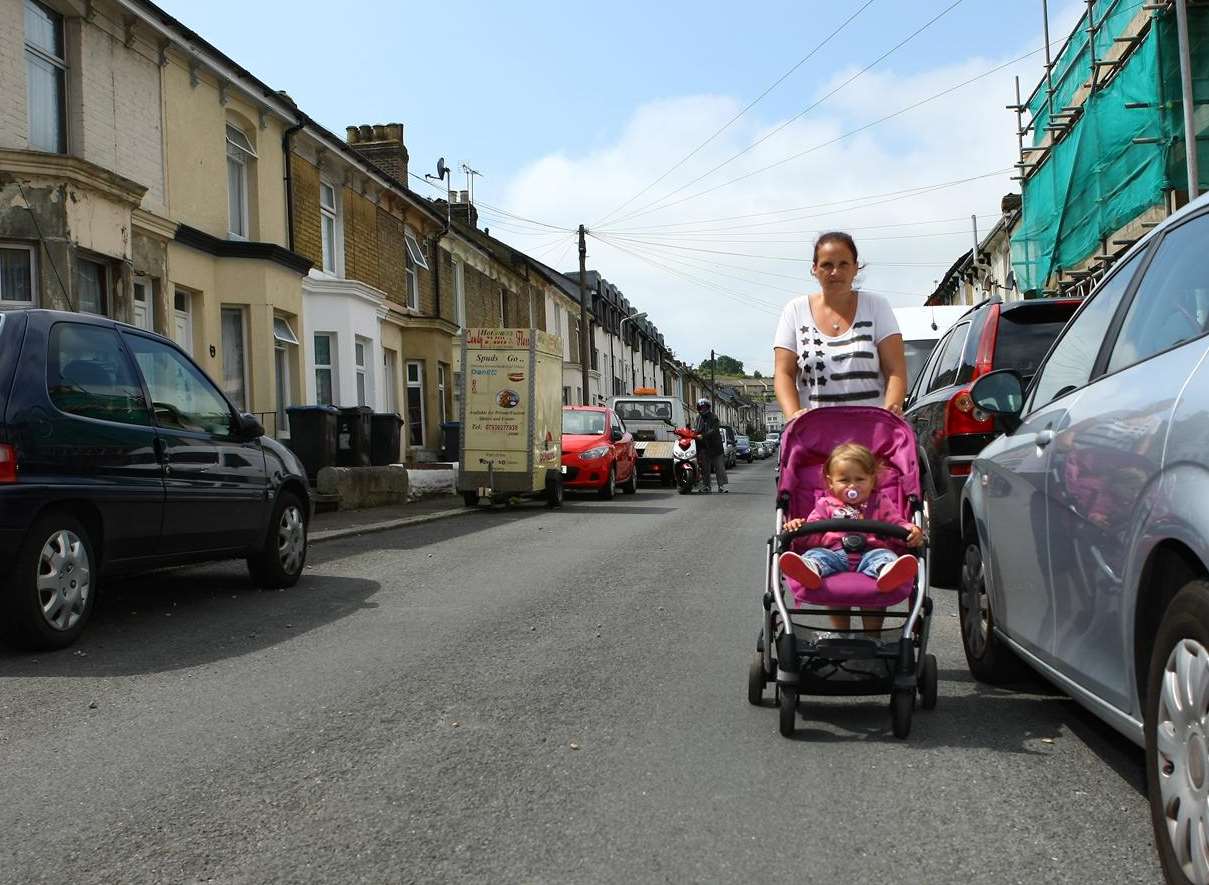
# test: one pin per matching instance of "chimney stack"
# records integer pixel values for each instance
(463, 210)
(382, 145)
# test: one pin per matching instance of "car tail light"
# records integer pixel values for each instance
(985, 360)
(962, 416)
(8, 464)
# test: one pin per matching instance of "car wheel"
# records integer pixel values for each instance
(630, 486)
(49, 598)
(609, 489)
(281, 561)
(1177, 736)
(945, 549)
(988, 659)
(470, 499)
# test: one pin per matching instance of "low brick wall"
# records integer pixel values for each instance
(358, 487)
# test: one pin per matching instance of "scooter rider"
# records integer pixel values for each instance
(710, 452)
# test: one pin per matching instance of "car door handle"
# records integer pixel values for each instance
(1044, 438)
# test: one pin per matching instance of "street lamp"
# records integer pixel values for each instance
(621, 334)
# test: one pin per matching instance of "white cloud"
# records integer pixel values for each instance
(967, 133)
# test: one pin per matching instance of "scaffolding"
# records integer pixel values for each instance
(1106, 140)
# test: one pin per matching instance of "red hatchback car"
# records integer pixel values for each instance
(598, 452)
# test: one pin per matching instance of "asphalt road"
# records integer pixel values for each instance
(528, 696)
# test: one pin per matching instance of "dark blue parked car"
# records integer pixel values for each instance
(743, 449)
(118, 454)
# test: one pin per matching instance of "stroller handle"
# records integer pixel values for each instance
(867, 526)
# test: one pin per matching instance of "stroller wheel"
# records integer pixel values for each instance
(902, 705)
(789, 711)
(756, 680)
(927, 683)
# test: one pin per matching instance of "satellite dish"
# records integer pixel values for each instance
(442, 169)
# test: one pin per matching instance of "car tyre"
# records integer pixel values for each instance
(470, 499)
(630, 486)
(788, 711)
(756, 680)
(608, 491)
(945, 549)
(987, 656)
(929, 680)
(280, 562)
(1175, 726)
(46, 604)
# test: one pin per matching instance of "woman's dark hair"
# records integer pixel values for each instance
(836, 236)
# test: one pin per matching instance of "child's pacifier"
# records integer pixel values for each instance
(852, 494)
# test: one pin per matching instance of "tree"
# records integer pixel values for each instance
(756, 374)
(726, 365)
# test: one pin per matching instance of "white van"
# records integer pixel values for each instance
(922, 327)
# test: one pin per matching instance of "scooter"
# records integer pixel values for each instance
(684, 460)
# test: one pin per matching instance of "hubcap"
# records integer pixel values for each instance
(64, 580)
(975, 614)
(1182, 756)
(291, 539)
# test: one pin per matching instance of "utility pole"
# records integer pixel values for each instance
(584, 331)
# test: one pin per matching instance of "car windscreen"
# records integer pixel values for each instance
(918, 352)
(643, 410)
(1024, 337)
(584, 423)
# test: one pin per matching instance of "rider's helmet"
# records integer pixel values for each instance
(703, 405)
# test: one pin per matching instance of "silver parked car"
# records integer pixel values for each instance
(1086, 525)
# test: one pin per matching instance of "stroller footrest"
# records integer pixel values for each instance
(843, 648)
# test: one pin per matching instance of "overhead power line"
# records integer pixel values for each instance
(834, 140)
(893, 49)
(749, 106)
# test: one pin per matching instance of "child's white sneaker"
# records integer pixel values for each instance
(897, 573)
(801, 570)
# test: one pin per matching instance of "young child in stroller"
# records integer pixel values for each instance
(850, 472)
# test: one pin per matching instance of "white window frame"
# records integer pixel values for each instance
(240, 152)
(333, 251)
(33, 277)
(414, 259)
(242, 311)
(418, 384)
(148, 303)
(106, 285)
(60, 64)
(329, 367)
(362, 353)
(183, 296)
(459, 293)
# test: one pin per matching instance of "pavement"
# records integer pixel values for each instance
(525, 695)
(333, 525)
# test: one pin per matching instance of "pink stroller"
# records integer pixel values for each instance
(858, 662)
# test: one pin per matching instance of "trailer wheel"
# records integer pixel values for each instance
(554, 490)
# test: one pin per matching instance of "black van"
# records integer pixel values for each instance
(118, 454)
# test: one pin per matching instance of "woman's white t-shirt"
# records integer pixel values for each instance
(838, 370)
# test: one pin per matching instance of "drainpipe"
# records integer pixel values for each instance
(286, 137)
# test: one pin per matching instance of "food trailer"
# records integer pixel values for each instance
(511, 441)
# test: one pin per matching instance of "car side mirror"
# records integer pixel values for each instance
(617, 435)
(248, 427)
(999, 393)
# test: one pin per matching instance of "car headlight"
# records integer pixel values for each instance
(593, 454)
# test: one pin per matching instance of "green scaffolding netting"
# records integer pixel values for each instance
(1124, 151)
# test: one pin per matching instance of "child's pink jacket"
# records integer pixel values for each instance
(878, 508)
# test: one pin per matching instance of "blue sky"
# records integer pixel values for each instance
(568, 109)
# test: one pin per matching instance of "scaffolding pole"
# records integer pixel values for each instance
(1181, 25)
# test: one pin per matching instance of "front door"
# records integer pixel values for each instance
(215, 483)
(182, 321)
(144, 304)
